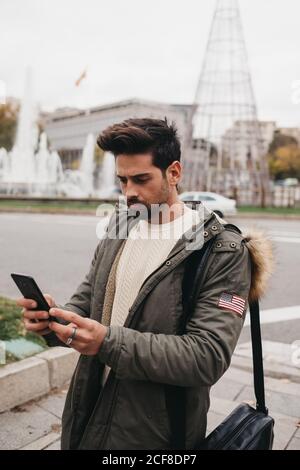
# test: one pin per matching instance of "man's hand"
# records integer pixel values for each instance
(30, 317)
(89, 333)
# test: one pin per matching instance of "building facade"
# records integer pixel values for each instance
(67, 129)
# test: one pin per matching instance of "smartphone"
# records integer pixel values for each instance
(30, 290)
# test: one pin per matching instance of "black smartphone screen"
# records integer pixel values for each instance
(30, 290)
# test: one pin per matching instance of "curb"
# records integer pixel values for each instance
(273, 370)
(276, 357)
(252, 215)
(35, 376)
(18, 210)
(259, 215)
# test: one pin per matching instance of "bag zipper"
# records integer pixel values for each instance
(262, 429)
(239, 428)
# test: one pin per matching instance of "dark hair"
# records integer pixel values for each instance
(141, 136)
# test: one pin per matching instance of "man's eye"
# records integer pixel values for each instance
(141, 181)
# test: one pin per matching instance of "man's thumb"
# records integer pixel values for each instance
(50, 300)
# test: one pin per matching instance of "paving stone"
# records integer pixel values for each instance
(282, 385)
(222, 406)
(227, 389)
(275, 401)
(53, 403)
(37, 424)
(284, 428)
(213, 420)
(54, 446)
(42, 442)
(238, 375)
(24, 425)
(294, 444)
(271, 369)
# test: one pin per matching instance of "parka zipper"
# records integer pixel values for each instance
(130, 323)
(161, 265)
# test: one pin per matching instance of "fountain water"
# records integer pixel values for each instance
(22, 167)
(31, 169)
(87, 165)
(22, 170)
(107, 182)
(79, 183)
(49, 172)
(18, 168)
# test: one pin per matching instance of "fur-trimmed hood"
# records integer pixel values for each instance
(261, 251)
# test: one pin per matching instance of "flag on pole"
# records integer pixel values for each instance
(82, 76)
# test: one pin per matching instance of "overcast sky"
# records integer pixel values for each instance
(150, 49)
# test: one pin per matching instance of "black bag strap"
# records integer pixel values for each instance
(256, 343)
(175, 395)
(258, 367)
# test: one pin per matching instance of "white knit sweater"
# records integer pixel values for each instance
(146, 248)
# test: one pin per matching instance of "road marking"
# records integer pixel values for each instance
(286, 239)
(275, 315)
(281, 233)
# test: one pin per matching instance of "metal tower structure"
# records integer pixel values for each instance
(226, 151)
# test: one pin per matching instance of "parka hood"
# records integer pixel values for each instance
(262, 260)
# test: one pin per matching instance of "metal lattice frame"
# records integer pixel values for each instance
(225, 146)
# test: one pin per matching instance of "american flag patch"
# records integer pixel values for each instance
(232, 302)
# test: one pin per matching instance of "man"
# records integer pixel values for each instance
(125, 315)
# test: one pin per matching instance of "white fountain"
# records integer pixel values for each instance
(49, 172)
(79, 183)
(87, 165)
(18, 165)
(22, 170)
(107, 181)
(32, 169)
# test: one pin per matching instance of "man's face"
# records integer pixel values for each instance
(141, 181)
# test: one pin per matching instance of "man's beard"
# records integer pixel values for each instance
(149, 211)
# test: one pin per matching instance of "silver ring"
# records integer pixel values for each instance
(70, 339)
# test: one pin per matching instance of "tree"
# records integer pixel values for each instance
(285, 162)
(8, 122)
(281, 140)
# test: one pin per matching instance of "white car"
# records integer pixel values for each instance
(222, 206)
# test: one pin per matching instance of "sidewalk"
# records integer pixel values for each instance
(37, 424)
(282, 399)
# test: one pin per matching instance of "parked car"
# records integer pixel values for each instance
(222, 206)
(287, 182)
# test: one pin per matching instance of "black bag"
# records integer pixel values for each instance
(246, 427)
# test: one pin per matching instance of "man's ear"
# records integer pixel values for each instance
(174, 173)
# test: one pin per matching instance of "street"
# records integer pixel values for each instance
(57, 249)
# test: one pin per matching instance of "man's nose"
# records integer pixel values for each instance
(131, 192)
